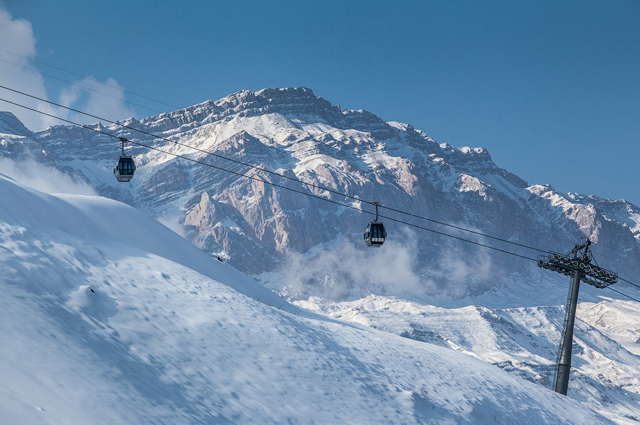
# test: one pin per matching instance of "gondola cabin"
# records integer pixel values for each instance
(375, 234)
(124, 169)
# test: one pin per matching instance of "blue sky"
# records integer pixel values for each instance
(551, 88)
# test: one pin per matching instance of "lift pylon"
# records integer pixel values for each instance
(580, 265)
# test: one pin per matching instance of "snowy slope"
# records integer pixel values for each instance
(108, 317)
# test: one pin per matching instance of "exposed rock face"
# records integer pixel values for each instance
(296, 134)
(15, 139)
(219, 228)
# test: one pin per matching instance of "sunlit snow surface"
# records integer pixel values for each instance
(107, 317)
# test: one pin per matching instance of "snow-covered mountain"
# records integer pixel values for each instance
(108, 317)
(291, 131)
(430, 288)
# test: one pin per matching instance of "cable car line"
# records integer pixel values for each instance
(178, 107)
(207, 152)
(297, 180)
(293, 179)
(259, 168)
(615, 290)
(271, 183)
(79, 85)
(90, 78)
(629, 282)
(294, 190)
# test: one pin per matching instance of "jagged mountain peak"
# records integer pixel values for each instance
(299, 104)
(10, 125)
(129, 122)
(246, 99)
(475, 151)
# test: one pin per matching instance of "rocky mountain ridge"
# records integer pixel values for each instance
(293, 132)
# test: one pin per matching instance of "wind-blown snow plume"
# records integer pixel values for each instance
(345, 271)
(174, 223)
(462, 272)
(43, 178)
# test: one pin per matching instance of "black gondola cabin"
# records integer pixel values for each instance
(124, 169)
(375, 234)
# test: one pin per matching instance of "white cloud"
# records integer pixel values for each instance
(17, 36)
(43, 178)
(102, 100)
